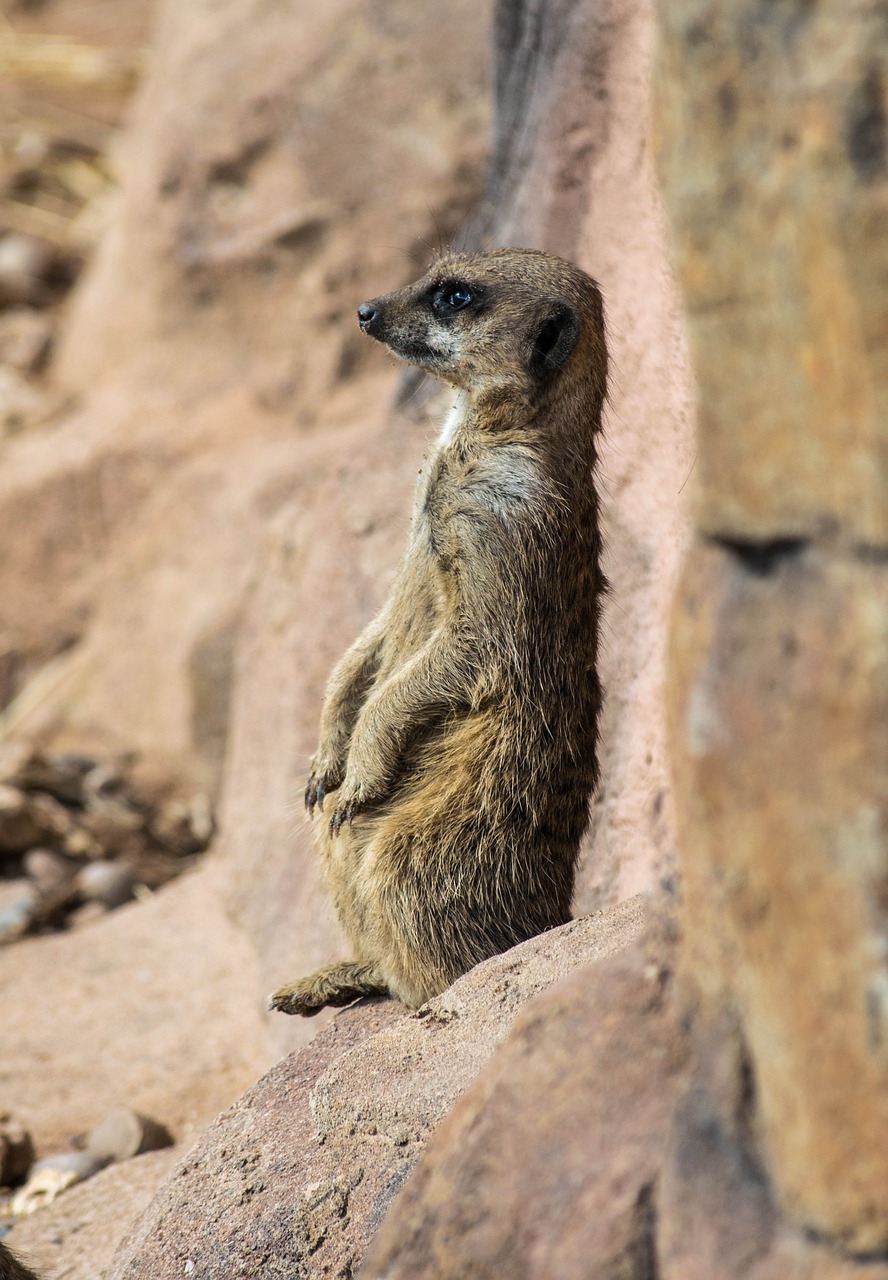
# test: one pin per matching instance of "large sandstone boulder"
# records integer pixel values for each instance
(548, 1166)
(610, 1164)
(296, 1178)
(773, 150)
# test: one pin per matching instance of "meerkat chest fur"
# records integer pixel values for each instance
(481, 506)
(469, 469)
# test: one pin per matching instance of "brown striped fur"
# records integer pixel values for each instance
(457, 748)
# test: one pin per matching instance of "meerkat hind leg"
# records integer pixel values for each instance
(334, 984)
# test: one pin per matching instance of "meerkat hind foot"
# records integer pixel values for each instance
(334, 984)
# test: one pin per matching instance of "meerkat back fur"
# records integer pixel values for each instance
(457, 751)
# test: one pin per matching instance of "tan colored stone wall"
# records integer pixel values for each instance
(772, 138)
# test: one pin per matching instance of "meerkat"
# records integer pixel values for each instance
(458, 740)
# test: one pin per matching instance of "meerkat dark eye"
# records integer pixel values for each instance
(452, 297)
(459, 298)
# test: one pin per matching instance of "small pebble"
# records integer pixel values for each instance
(28, 820)
(112, 824)
(61, 775)
(110, 883)
(51, 814)
(18, 898)
(83, 1164)
(18, 828)
(102, 780)
(47, 869)
(80, 844)
(24, 263)
(125, 1133)
(184, 826)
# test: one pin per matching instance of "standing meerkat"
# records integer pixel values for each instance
(457, 750)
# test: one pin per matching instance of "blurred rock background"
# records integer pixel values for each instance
(205, 484)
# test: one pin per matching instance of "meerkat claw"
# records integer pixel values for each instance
(344, 814)
(286, 1001)
(316, 792)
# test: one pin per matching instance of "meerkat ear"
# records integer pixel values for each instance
(554, 339)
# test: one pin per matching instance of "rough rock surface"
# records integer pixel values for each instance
(773, 140)
(297, 1176)
(548, 1165)
(616, 1163)
(772, 132)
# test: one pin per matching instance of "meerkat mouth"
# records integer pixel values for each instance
(415, 352)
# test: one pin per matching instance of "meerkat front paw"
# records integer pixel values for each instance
(299, 998)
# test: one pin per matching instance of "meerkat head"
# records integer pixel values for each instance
(510, 318)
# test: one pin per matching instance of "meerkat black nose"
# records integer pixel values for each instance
(367, 313)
